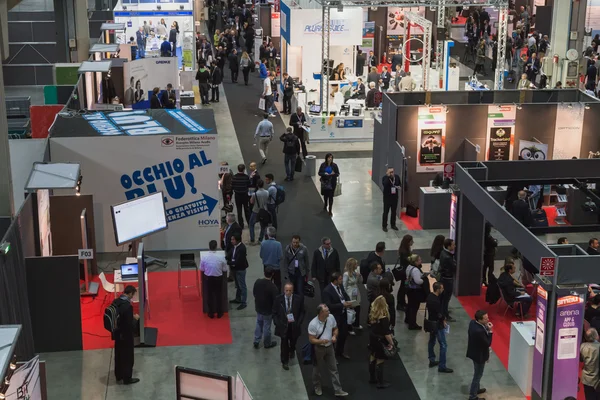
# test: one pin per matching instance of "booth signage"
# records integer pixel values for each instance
(336, 27)
(568, 131)
(538, 352)
(547, 266)
(532, 150)
(500, 132)
(453, 215)
(449, 170)
(431, 139)
(86, 254)
(569, 325)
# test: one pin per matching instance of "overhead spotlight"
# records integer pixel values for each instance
(4, 248)
(6, 381)
(519, 107)
(158, 8)
(586, 106)
(124, 8)
(570, 106)
(181, 7)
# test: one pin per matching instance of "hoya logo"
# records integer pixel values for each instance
(163, 62)
(208, 222)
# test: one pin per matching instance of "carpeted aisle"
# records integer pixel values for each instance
(179, 320)
(302, 213)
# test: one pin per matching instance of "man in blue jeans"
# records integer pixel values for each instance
(478, 349)
(296, 259)
(238, 261)
(272, 203)
(291, 151)
(141, 43)
(265, 293)
(437, 321)
(271, 254)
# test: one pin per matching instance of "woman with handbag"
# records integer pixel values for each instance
(329, 172)
(404, 251)
(436, 250)
(385, 290)
(352, 279)
(381, 341)
(414, 290)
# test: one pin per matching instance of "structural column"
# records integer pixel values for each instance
(6, 200)
(559, 39)
(82, 30)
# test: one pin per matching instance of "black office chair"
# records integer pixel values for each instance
(187, 261)
(515, 305)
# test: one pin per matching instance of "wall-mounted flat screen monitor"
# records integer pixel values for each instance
(139, 217)
(193, 384)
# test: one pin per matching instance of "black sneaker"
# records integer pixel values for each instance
(241, 307)
(433, 364)
(270, 345)
(286, 367)
(446, 370)
(481, 391)
(395, 227)
(130, 381)
(256, 345)
(235, 301)
(385, 229)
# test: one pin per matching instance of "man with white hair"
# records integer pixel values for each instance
(590, 352)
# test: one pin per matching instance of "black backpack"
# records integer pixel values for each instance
(111, 318)
(290, 143)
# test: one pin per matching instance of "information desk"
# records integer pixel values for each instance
(224, 298)
(434, 208)
(520, 356)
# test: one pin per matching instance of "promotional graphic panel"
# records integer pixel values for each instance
(538, 352)
(568, 131)
(396, 24)
(346, 27)
(532, 150)
(25, 382)
(143, 75)
(567, 338)
(500, 135)
(431, 139)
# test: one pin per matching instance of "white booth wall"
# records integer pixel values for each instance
(105, 160)
(151, 72)
(23, 153)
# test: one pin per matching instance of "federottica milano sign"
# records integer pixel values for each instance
(336, 26)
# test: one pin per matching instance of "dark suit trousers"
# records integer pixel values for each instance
(234, 75)
(214, 286)
(214, 93)
(287, 104)
(300, 134)
(389, 203)
(342, 324)
(242, 202)
(124, 359)
(288, 344)
(276, 277)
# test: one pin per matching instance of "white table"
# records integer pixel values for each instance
(120, 285)
(520, 356)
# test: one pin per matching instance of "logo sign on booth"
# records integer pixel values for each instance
(569, 325)
(453, 215)
(500, 132)
(538, 353)
(449, 170)
(431, 139)
(547, 266)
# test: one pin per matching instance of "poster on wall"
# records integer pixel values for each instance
(137, 73)
(396, 24)
(568, 330)
(43, 199)
(453, 215)
(500, 132)
(275, 24)
(25, 382)
(568, 131)
(431, 139)
(538, 353)
(188, 51)
(368, 41)
(532, 150)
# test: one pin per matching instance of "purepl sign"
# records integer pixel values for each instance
(336, 26)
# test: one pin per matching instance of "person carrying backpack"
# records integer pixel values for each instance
(291, 149)
(276, 197)
(120, 320)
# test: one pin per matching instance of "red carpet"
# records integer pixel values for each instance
(412, 224)
(180, 321)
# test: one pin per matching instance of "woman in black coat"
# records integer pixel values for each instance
(329, 172)
(404, 251)
(385, 290)
(489, 253)
(154, 100)
(380, 335)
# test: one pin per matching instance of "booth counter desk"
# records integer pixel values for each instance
(520, 356)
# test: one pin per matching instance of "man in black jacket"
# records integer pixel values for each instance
(391, 190)
(593, 247)
(265, 293)
(291, 151)
(374, 256)
(154, 100)
(325, 262)
(288, 92)
(168, 98)
(216, 78)
(238, 261)
(234, 65)
(438, 319)
(447, 272)
(124, 337)
(512, 290)
(203, 77)
(233, 228)
(296, 121)
(288, 315)
(240, 184)
(361, 59)
(521, 211)
(478, 349)
(337, 300)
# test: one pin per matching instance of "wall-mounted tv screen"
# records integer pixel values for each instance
(139, 217)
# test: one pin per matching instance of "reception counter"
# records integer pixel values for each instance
(434, 208)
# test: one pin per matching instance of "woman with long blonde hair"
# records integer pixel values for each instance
(245, 63)
(352, 279)
(380, 337)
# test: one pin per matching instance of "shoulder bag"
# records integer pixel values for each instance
(308, 350)
(429, 326)
(264, 216)
(398, 271)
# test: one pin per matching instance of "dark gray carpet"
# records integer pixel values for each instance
(302, 213)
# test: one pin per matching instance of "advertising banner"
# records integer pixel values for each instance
(307, 30)
(25, 382)
(453, 215)
(275, 24)
(431, 138)
(568, 131)
(532, 150)
(500, 132)
(538, 352)
(396, 24)
(143, 75)
(567, 338)
(368, 41)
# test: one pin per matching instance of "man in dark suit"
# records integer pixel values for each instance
(325, 262)
(478, 349)
(593, 247)
(124, 337)
(337, 300)
(288, 92)
(238, 261)
(233, 228)
(361, 59)
(296, 121)
(288, 315)
(391, 189)
(513, 290)
(372, 60)
(168, 98)
(521, 211)
(154, 100)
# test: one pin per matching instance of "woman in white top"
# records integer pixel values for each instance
(352, 279)
(415, 278)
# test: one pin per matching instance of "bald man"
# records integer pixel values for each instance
(521, 210)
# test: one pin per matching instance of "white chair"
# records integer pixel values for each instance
(107, 286)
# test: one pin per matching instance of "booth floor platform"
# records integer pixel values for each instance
(179, 320)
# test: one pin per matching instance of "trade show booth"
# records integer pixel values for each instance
(129, 154)
(143, 75)
(480, 126)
